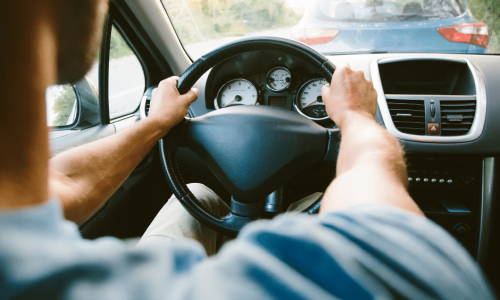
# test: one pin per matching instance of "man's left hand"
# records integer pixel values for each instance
(167, 105)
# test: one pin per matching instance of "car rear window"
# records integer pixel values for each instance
(385, 11)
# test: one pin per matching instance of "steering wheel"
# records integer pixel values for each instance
(227, 139)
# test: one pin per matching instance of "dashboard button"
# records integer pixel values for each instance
(426, 179)
(433, 180)
(450, 181)
(417, 179)
(410, 179)
(432, 128)
(441, 180)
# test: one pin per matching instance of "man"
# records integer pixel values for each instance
(369, 241)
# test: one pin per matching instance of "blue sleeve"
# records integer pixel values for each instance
(360, 253)
(363, 252)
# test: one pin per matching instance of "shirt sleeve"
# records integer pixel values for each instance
(365, 252)
(360, 253)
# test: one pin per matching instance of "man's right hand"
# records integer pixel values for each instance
(349, 92)
(168, 106)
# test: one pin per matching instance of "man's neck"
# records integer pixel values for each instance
(28, 63)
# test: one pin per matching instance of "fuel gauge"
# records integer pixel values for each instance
(278, 79)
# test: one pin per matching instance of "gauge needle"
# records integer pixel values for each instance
(230, 102)
(311, 103)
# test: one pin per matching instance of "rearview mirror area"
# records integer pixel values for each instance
(73, 106)
(62, 105)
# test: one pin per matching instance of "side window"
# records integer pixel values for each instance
(126, 77)
(61, 105)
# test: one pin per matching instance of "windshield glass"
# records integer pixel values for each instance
(342, 26)
(384, 11)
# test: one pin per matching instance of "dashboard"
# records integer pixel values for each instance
(253, 66)
(443, 108)
(451, 170)
(274, 79)
(279, 87)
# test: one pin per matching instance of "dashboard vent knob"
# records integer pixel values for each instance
(457, 116)
(408, 115)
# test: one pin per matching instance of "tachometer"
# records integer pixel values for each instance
(309, 101)
(236, 92)
(278, 79)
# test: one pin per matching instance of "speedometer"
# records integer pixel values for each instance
(237, 92)
(309, 101)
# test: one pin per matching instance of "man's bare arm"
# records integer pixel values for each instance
(83, 178)
(370, 167)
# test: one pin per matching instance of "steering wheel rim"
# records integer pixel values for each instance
(241, 212)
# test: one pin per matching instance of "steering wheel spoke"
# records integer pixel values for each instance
(332, 152)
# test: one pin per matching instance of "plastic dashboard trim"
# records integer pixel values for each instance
(478, 124)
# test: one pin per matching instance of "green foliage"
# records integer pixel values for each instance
(488, 11)
(118, 46)
(65, 99)
(220, 18)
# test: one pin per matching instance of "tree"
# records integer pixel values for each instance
(488, 12)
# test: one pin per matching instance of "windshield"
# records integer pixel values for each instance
(384, 11)
(342, 26)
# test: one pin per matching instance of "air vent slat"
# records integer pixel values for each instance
(457, 129)
(146, 107)
(408, 115)
(446, 105)
(395, 111)
(457, 117)
(457, 123)
(457, 111)
(404, 118)
(408, 123)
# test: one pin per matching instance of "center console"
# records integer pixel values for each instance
(450, 190)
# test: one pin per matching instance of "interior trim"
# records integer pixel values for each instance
(104, 72)
(142, 107)
(477, 126)
(486, 209)
(154, 19)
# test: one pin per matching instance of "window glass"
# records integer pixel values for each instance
(342, 26)
(61, 105)
(126, 77)
(384, 11)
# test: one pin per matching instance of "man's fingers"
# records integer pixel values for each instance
(192, 95)
(341, 66)
(325, 89)
(172, 80)
(342, 69)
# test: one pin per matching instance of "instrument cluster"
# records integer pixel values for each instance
(278, 87)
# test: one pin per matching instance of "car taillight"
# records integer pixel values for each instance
(312, 36)
(473, 33)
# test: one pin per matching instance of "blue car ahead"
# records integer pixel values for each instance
(376, 26)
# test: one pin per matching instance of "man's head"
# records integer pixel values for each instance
(79, 26)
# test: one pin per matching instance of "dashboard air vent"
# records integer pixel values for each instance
(146, 107)
(457, 116)
(408, 115)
